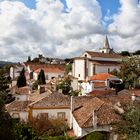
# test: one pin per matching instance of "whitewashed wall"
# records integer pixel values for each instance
(22, 97)
(52, 113)
(49, 75)
(77, 130)
(104, 69)
(79, 65)
(23, 115)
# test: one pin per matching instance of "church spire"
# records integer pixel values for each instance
(106, 47)
(106, 43)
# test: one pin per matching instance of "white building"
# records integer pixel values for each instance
(91, 63)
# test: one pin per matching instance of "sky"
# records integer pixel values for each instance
(66, 28)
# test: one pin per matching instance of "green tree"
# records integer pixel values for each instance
(130, 72)
(96, 136)
(48, 127)
(41, 78)
(29, 59)
(23, 131)
(68, 68)
(21, 81)
(129, 125)
(137, 52)
(6, 123)
(3, 83)
(125, 53)
(65, 86)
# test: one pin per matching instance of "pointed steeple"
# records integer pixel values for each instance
(106, 43)
(106, 47)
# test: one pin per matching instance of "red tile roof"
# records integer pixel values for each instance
(98, 93)
(18, 106)
(110, 63)
(99, 84)
(50, 70)
(21, 90)
(55, 100)
(84, 114)
(34, 67)
(107, 115)
(136, 92)
(104, 55)
(102, 76)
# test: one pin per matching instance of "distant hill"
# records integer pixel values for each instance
(2, 63)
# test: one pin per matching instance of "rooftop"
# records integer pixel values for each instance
(18, 106)
(54, 100)
(105, 55)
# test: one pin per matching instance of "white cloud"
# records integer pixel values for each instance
(48, 30)
(51, 32)
(126, 27)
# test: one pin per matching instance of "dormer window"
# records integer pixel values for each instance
(85, 55)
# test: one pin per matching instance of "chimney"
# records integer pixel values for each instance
(41, 88)
(94, 120)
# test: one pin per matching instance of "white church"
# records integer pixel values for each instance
(91, 63)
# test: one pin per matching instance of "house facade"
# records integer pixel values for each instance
(91, 63)
(56, 105)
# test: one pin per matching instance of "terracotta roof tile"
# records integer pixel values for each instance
(50, 70)
(105, 55)
(34, 67)
(110, 63)
(84, 114)
(98, 93)
(53, 101)
(21, 90)
(18, 106)
(107, 115)
(102, 76)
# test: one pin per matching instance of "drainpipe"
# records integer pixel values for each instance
(71, 108)
(94, 120)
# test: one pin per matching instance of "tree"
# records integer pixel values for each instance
(129, 125)
(41, 78)
(6, 97)
(21, 81)
(96, 136)
(44, 126)
(125, 53)
(29, 59)
(137, 52)
(130, 72)
(68, 68)
(23, 131)
(3, 83)
(6, 124)
(65, 86)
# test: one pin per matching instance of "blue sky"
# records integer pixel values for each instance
(106, 5)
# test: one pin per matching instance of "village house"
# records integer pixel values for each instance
(15, 70)
(56, 105)
(18, 109)
(83, 114)
(91, 63)
(49, 72)
(101, 81)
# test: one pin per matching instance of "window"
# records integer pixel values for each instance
(61, 115)
(79, 75)
(15, 115)
(43, 115)
(46, 77)
(108, 70)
